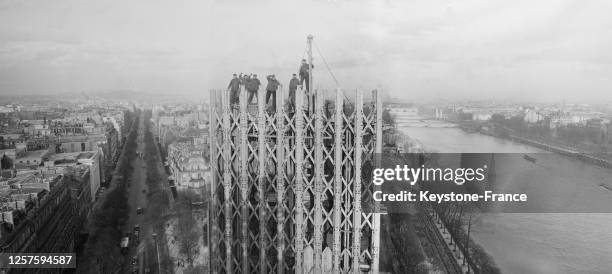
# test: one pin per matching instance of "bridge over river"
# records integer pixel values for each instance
(408, 117)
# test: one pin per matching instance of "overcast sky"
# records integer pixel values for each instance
(521, 49)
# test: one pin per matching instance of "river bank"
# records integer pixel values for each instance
(536, 242)
(474, 127)
(443, 245)
(563, 151)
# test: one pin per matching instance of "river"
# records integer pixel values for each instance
(539, 242)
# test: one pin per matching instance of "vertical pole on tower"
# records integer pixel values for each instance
(310, 67)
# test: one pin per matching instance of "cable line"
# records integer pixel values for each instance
(330, 70)
(326, 64)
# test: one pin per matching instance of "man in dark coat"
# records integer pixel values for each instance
(234, 88)
(271, 90)
(252, 86)
(293, 84)
(304, 74)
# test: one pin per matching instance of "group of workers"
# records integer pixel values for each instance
(251, 83)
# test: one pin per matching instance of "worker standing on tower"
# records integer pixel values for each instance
(242, 77)
(293, 84)
(234, 89)
(271, 90)
(252, 86)
(305, 74)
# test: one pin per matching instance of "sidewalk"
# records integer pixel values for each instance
(450, 242)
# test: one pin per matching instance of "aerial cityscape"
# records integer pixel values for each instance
(382, 137)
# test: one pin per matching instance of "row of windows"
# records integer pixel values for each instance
(28, 161)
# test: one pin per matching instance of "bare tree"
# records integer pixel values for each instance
(188, 236)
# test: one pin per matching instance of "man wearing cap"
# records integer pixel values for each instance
(293, 83)
(271, 90)
(252, 86)
(242, 79)
(305, 74)
(234, 88)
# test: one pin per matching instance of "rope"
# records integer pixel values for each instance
(326, 65)
(329, 70)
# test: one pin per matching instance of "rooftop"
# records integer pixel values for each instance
(33, 154)
(71, 157)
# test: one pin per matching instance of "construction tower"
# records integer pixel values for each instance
(291, 189)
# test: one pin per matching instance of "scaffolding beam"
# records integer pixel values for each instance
(311, 210)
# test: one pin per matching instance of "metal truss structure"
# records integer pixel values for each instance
(291, 191)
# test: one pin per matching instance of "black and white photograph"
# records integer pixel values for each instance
(306, 136)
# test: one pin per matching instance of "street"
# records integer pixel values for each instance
(145, 247)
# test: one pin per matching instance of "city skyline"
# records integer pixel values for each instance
(134, 137)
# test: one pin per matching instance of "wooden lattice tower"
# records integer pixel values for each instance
(291, 191)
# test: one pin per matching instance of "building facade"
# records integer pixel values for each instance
(45, 216)
(189, 169)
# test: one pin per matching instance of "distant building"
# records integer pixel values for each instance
(116, 119)
(79, 143)
(481, 116)
(533, 116)
(166, 120)
(43, 213)
(441, 114)
(38, 130)
(30, 159)
(6, 109)
(90, 159)
(190, 171)
(596, 123)
(8, 140)
(7, 158)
